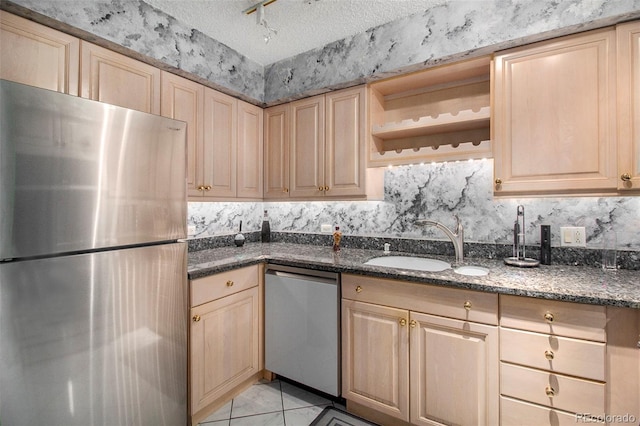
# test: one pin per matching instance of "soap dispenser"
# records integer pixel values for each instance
(265, 233)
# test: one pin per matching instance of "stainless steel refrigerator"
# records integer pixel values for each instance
(93, 291)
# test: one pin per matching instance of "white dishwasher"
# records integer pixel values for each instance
(302, 326)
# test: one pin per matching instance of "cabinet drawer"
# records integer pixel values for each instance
(549, 316)
(466, 305)
(223, 284)
(557, 354)
(520, 413)
(569, 393)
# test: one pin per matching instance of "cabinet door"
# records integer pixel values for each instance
(454, 372)
(345, 143)
(224, 346)
(375, 357)
(110, 77)
(25, 48)
(629, 105)
(250, 149)
(554, 123)
(276, 152)
(307, 148)
(183, 99)
(220, 144)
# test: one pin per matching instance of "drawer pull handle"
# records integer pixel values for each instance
(413, 323)
(229, 283)
(467, 305)
(549, 355)
(402, 322)
(551, 392)
(358, 289)
(548, 317)
(196, 318)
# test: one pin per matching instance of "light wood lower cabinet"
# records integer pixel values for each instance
(225, 337)
(562, 362)
(416, 367)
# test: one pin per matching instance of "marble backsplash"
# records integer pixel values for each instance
(434, 191)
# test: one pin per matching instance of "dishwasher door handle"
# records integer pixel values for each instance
(282, 274)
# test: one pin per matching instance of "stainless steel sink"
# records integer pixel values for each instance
(409, 262)
(471, 270)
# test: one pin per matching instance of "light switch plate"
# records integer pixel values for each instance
(572, 236)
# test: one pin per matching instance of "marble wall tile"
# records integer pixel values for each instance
(434, 191)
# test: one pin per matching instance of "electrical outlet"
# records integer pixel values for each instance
(573, 236)
(326, 228)
(191, 229)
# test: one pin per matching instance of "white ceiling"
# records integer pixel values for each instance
(302, 25)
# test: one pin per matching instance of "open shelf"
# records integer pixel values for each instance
(442, 123)
(439, 114)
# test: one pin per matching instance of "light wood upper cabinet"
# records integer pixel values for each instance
(345, 132)
(39, 56)
(554, 121)
(276, 152)
(220, 147)
(316, 148)
(110, 77)
(183, 99)
(250, 151)
(628, 50)
(307, 160)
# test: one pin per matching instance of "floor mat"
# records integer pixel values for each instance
(331, 416)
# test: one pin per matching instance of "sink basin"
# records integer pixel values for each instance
(409, 262)
(475, 271)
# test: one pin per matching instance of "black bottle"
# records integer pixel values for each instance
(265, 233)
(545, 244)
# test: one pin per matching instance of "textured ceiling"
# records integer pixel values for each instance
(301, 25)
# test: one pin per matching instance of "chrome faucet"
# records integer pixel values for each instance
(457, 238)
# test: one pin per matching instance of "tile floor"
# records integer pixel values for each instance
(276, 403)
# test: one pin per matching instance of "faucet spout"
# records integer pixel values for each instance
(457, 237)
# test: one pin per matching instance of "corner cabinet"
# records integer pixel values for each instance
(315, 147)
(421, 354)
(39, 56)
(628, 50)
(224, 140)
(554, 121)
(225, 338)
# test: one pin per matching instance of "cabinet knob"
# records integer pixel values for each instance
(201, 188)
(402, 322)
(467, 305)
(551, 392)
(285, 190)
(358, 289)
(320, 188)
(498, 183)
(413, 323)
(548, 354)
(229, 283)
(326, 188)
(548, 317)
(196, 318)
(207, 188)
(626, 177)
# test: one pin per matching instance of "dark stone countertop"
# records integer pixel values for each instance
(556, 282)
